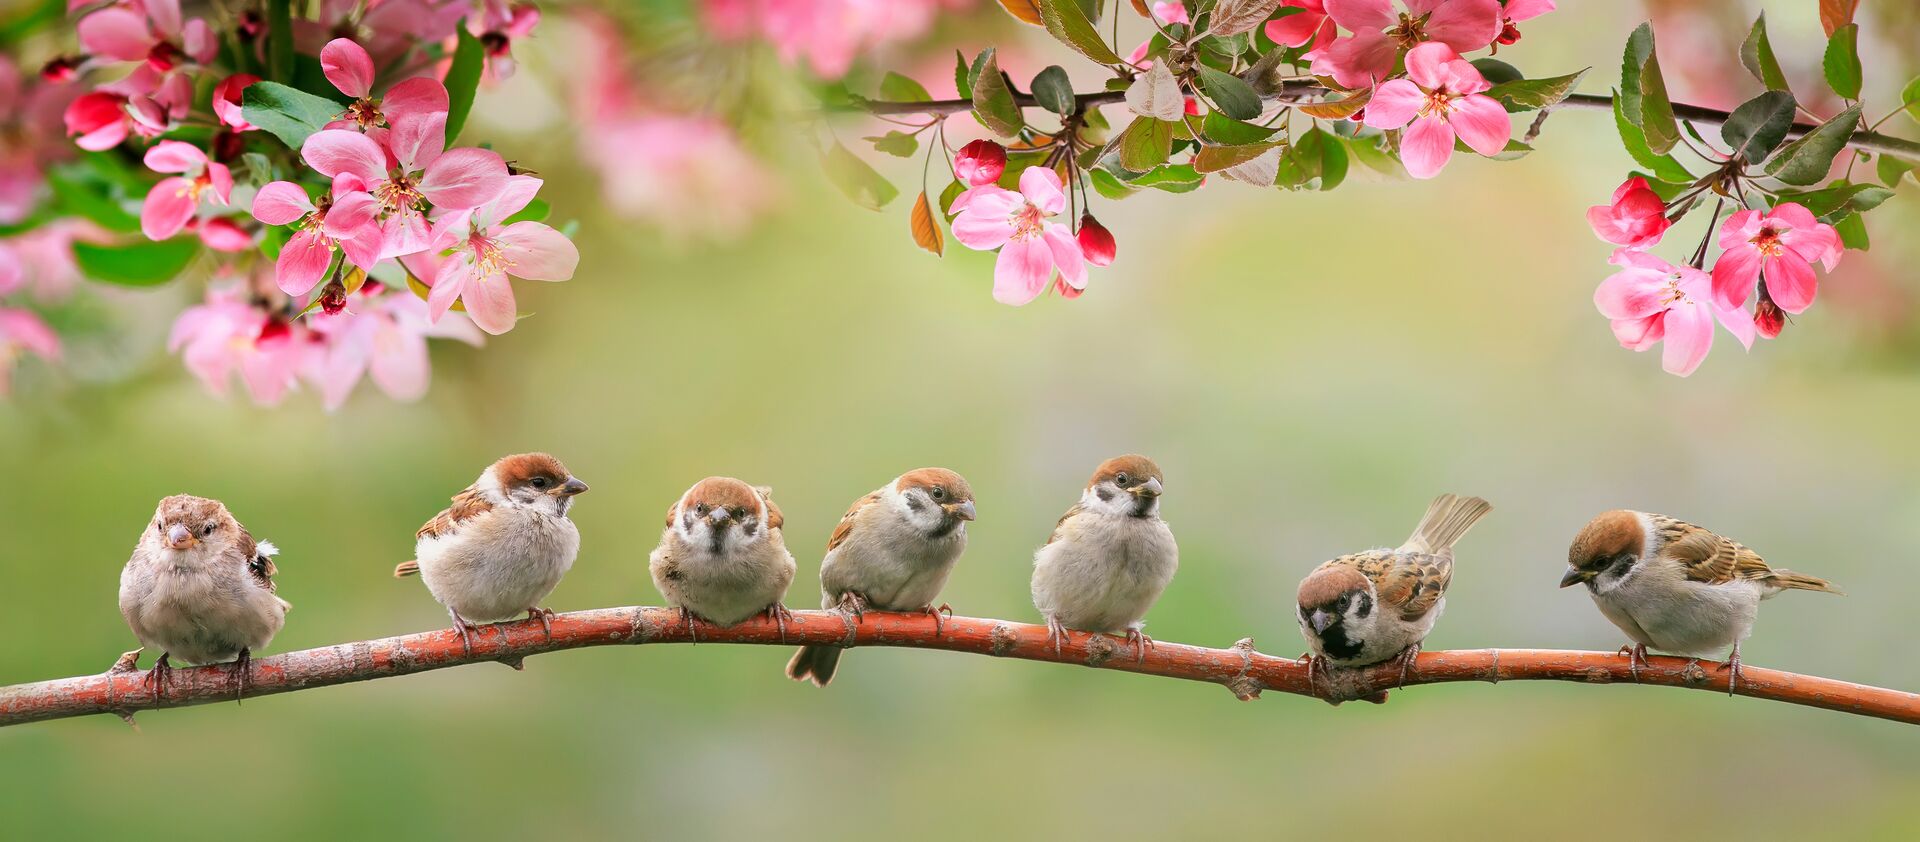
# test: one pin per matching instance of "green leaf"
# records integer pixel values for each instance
(1890, 168)
(993, 100)
(1664, 167)
(1156, 94)
(1108, 185)
(1497, 71)
(535, 211)
(463, 80)
(1145, 144)
(897, 88)
(1910, 98)
(285, 112)
(962, 75)
(1532, 94)
(1217, 158)
(1513, 151)
(255, 169)
(1842, 61)
(1639, 47)
(1315, 159)
(1853, 232)
(279, 40)
(1220, 128)
(1656, 111)
(953, 191)
(1809, 159)
(1229, 93)
(856, 179)
(1169, 174)
(140, 264)
(76, 192)
(1067, 22)
(1758, 125)
(1833, 201)
(896, 143)
(1053, 91)
(1756, 53)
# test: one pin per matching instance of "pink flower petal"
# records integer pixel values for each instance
(1481, 123)
(1067, 256)
(169, 205)
(412, 98)
(1358, 59)
(1426, 146)
(165, 15)
(1395, 103)
(222, 234)
(981, 229)
(1041, 186)
(1359, 15)
(1794, 215)
(1021, 272)
(1640, 334)
(347, 65)
(400, 365)
(1737, 322)
(1630, 294)
(489, 300)
(1739, 229)
(513, 199)
(281, 202)
(1465, 25)
(448, 283)
(1790, 281)
(537, 252)
(416, 141)
(1426, 64)
(1735, 274)
(467, 177)
(1295, 30)
(25, 329)
(332, 152)
(1519, 10)
(303, 262)
(221, 178)
(174, 156)
(1689, 337)
(116, 33)
(404, 232)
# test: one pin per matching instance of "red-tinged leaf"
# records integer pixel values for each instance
(1338, 109)
(1837, 13)
(1232, 17)
(1024, 11)
(926, 232)
(1140, 6)
(1217, 157)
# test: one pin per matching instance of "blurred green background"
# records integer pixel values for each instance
(1309, 369)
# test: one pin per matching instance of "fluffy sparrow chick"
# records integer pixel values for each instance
(1674, 586)
(1109, 557)
(892, 551)
(502, 546)
(199, 589)
(1370, 607)
(722, 558)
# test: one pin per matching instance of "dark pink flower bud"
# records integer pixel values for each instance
(60, 69)
(1636, 218)
(1096, 242)
(1767, 316)
(273, 329)
(1509, 34)
(333, 298)
(980, 162)
(1065, 289)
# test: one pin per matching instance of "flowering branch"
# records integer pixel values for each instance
(1239, 668)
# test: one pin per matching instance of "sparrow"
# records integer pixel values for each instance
(1371, 607)
(1109, 557)
(722, 558)
(502, 546)
(892, 551)
(1675, 587)
(199, 589)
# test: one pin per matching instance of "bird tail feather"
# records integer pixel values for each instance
(1448, 518)
(1789, 580)
(405, 569)
(814, 663)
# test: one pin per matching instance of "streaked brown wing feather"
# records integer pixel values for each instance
(1708, 556)
(844, 528)
(1411, 583)
(258, 566)
(467, 505)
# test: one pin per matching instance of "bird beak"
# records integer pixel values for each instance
(719, 516)
(1321, 620)
(573, 486)
(179, 537)
(1150, 488)
(963, 511)
(1574, 577)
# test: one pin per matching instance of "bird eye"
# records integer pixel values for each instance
(206, 530)
(700, 510)
(739, 512)
(1121, 478)
(539, 482)
(938, 493)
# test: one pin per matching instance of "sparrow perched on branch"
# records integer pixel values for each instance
(1370, 607)
(722, 558)
(1109, 557)
(1675, 587)
(502, 546)
(200, 590)
(892, 552)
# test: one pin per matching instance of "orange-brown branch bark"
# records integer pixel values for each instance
(1239, 668)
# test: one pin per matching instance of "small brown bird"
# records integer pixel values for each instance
(200, 590)
(722, 558)
(1367, 608)
(892, 551)
(1675, 587)
(502, 546)
(1109, 557)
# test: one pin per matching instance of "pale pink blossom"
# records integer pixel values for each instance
(157, 35)
(388, 29)
(1311, 27)
(1781, 246)
(45, 257)
(174, 201)
(417, 172)
(1381, 33)
(1032, 246)
(23, 332)
(382, 335)
(225, 336)
(350, 69)
(1636, 218)
(1441, 98)
(485, 251)
(1650, 301)
(344, 219)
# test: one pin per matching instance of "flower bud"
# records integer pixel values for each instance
(1767, 317)
(1096, 242)
(1509, 35)
(1066, 290)
(274, 329)
(333, 298)
(60, 69)
(980, 162)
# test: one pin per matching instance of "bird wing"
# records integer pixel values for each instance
(774, 519)
(467, 505)
(257, 556)
(844, 529)
(1059, 528)
(1706, 556)
(1411, 583)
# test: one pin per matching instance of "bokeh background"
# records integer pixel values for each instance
(1309, 369)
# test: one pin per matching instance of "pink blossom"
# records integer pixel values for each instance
(175, 200)
(226, 336)
(23, 332)
(1515, 11)
(384, 335)
(1781, 246)
(1312, 26)
(1031, 246)
(227, 101)
(1380, 34)
(497, 25)
(222, 234)
(350, 68)
(344, 219)
(1636, 218)
(157, 37)
(421, 172)
(1170, 12)
(485, 253)
(1650, 300)
(99, 120)
(147, 103)
(1440, 97)
(45, 257)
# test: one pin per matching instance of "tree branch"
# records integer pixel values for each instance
(1239, 668)
(1870, 141)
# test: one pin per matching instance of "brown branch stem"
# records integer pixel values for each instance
(1239, 668)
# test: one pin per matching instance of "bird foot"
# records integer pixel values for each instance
(854, 604)
(1057, 634)
(779, 613)
(240, 675)
(1316, 665)
(1141, 643)
(1406, 662)
(935, 613)
(1732, 666)
(128, 662)
(545, 616)
(693, 632)
(158, 677)
(1636, 659)
(464, 629)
